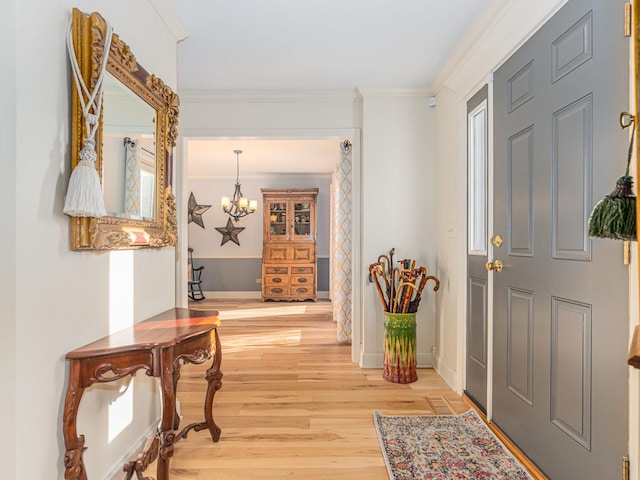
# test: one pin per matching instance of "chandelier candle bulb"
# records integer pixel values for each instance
(253, 205)
(243, 203)
(225, 202)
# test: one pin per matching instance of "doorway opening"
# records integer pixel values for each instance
(295, 160)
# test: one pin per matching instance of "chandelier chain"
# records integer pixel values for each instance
(237, 152)
(238, 205)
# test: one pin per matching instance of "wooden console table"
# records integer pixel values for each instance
(157, 346)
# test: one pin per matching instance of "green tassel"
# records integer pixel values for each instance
(614, 216)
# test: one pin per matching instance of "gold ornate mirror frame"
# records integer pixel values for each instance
(115, 233)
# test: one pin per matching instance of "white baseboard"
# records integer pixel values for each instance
(116, 473)
(424, 360)
(324, 295)
(371, 360)
(445, 370)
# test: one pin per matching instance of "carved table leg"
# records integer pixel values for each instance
(176, 377)
(139, 465)
(73, 464)
(167, 434)
(214, 383)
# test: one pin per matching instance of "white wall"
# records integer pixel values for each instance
(398, 205)
(451, 232)
(8, 244)
(65, 299)
(206, 242)
(269, 114)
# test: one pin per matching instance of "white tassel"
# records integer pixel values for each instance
(84, 194)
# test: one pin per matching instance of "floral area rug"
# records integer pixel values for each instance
(444, 447)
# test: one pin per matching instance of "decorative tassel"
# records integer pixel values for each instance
(614, 216)
(84, 194)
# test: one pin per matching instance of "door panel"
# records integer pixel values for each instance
(520, 344)
(560, 304)
(478, 310)
(477, 243)
(573, 48)
(571, 179)
(571, 369)
(520, 158)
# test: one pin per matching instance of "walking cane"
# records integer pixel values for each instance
(407, 287)
(376, 269)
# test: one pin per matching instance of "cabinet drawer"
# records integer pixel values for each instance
(276, 280)
(302, 280)
(276, 291)
(290, 253)
(276, 270)
(301, 270)
(302, 290)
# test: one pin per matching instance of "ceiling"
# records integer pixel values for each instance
(309, 45)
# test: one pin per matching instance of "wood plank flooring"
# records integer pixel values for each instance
(292, 405)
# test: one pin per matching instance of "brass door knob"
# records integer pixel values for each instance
(495, 265)
(497, 241)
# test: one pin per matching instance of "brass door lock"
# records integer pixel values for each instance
(497, 241)
(495, 265)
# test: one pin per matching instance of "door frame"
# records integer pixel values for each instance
(463, 220)
(353, 134)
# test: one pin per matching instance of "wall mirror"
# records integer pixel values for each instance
(134, 143)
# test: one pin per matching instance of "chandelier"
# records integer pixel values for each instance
(238, 206)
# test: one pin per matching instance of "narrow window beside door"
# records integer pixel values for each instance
(477, 154)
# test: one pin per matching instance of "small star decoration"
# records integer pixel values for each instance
(229, 232)
(195, 211)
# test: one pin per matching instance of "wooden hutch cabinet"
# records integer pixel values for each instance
(289, 244)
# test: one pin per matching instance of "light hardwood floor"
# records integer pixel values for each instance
(292, 405)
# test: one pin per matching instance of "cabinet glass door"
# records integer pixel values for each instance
(277, 219)
(302, 218)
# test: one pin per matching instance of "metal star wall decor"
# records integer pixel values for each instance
(195, 211)
(229, 232)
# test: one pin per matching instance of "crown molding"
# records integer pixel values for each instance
(267, 96)
(171, 19)
(365, 91)
(266, 176)
(500, 30)
(188, 134)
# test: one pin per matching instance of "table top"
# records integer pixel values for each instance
(163, 330)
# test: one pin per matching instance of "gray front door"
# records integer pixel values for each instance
(561, 300)
(477, 247)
